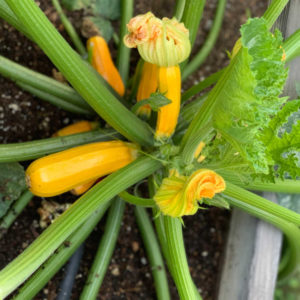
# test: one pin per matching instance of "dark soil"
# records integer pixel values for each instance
(24, 117)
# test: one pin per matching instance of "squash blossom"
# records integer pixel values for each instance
(179, 195)
(60, 172)
(101, 60)
(164, 43)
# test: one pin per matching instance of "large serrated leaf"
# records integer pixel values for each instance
(12, 184)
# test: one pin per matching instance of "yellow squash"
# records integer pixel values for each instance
(60, 172)
(169, 84)
(82, 188)
(81, 126)
(148, 85)
(101, 60)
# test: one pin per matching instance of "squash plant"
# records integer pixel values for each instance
(226, 143)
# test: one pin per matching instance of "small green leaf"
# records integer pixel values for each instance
(109, 9)
(97, 26)
(156, 100)
(12, 184)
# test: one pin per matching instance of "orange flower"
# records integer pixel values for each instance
(179, 195)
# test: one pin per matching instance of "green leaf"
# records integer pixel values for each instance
(250, 96)
(156, 100)
(285, 152)
(282, 138)
(97, 26)
(279, 120)
(76, 4)
(12, 184)
(109, 9)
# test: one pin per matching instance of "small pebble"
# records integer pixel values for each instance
(143, 260)
(135, 246)
(204, 253)
(115, 271)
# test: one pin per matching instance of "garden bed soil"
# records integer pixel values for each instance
(24, 118)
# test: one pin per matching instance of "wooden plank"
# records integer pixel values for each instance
(253, 246)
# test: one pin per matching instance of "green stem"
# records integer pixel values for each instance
(194, 64)
(291, 231)
(7, 15)
(54, 100)
(29, 260)
(292, 46)
(279, 186)
(135, 80)
(38, 280)
(202, 117)
(153, 252)
(25, 76)
(179, 9)
(15, 211)
(273, 11)
(207, 82)
(254, 200)
(35, 149)
(116, 38)
(69, 28)
(123, 58)
(79, 73)
(192, 16)
(188, 111)
(137, 200)
(177, 258)
(105, 251)
(187, 114)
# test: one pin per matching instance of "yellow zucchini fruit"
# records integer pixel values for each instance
(101, 60)
(60, 172)
(169, 84)
(78, 127)
(147, 85)
(82, 188)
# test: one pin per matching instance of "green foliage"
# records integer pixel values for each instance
(12, 184)
(282, 138)
(109, 9)
(249, 97)
(156, 100)
(97, 26)
(100, 12)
